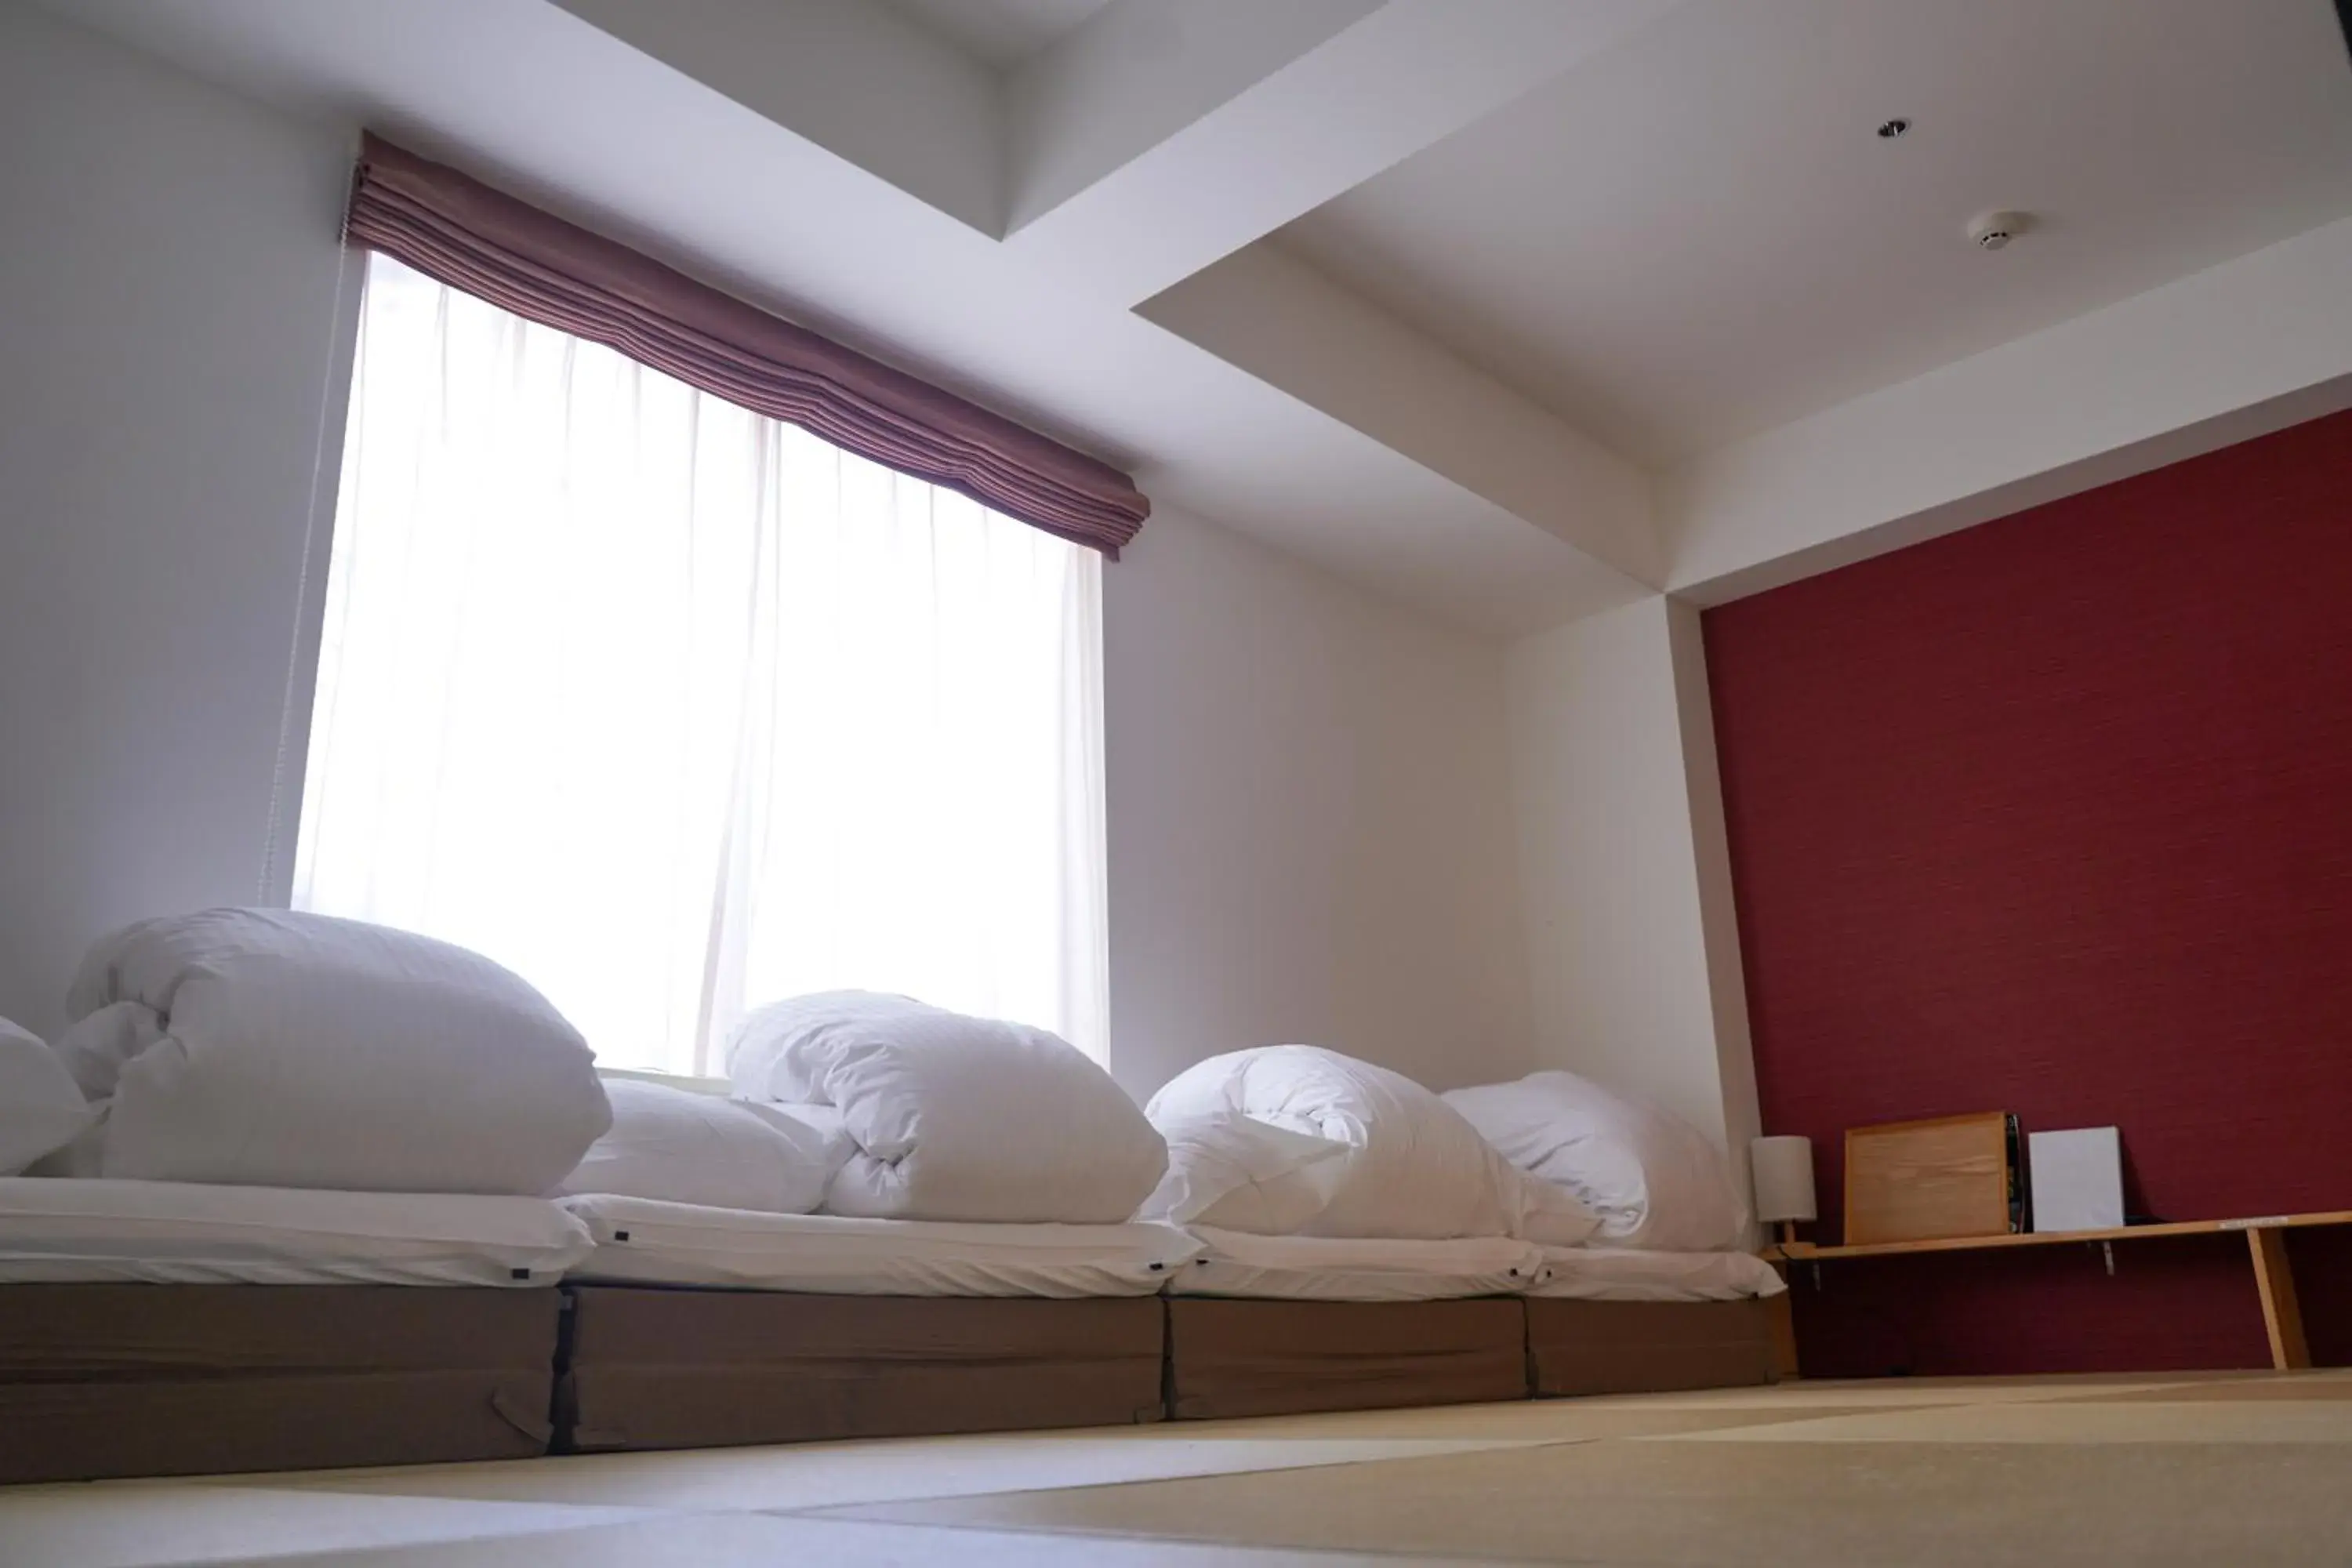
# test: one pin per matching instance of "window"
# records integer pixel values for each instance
(677, 709)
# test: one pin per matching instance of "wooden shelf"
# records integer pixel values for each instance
(2265, 1247)
(1805, 1251)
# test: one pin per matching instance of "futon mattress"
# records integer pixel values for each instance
(1336, 1268)
(68, 1231)
(1627, 1274)
(640, 1241)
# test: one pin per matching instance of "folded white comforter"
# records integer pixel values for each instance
(953, 1118)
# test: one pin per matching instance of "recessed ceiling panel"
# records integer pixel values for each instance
(1701, 235)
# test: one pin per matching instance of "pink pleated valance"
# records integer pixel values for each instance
(463, 233)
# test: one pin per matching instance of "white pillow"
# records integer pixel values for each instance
(953, 1118)
(1655, 1181)
(40, 1108)
(1416, 1170)
(265, 1047)
(675, 1145)
(1237, 1173)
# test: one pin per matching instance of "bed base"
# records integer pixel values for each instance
(104, 1380)
(651, 1368)
(1234, 1358)
(1647, 1347)
(148, 1380)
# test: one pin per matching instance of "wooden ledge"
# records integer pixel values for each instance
(2265, 1246)
(1805, 1251)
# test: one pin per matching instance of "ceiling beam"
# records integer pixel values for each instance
(1270, 313)
(1139, 72)
(856, 78)
(1149, 213)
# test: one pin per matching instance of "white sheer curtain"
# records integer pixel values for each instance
(676, 710)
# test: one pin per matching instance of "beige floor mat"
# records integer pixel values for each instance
(1891, 1504)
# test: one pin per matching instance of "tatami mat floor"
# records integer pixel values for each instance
(2238, 1468)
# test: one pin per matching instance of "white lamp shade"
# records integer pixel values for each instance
(1784, 1178)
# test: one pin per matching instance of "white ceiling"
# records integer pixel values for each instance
(1700, 237)
(1002, 34)
(1531, 223)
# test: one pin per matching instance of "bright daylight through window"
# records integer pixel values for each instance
(677, 709)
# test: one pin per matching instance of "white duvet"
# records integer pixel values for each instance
(953, 1118)
(682, 1146)
(1655, 1181)
(269, 1048)
(41, 1108)
(1237, 1173)
(1415, 1170)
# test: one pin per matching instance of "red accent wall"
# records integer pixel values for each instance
(2054, 816)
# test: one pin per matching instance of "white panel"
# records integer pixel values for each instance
(2076, 1178)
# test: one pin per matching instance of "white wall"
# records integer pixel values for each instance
(1631, 947)
(1309, 802)
(170, 272)
(1310, 834)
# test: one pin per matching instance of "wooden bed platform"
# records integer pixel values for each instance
(1647, 1347)
(1230, 1357)
(167, 1380)
(104, 1380)
(655, 1368)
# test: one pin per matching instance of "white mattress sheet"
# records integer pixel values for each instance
(1337, 1268)
(1627, 1274)
(62, 1230)
(641, 1241)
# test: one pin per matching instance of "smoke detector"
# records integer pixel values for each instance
(1995, 230)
